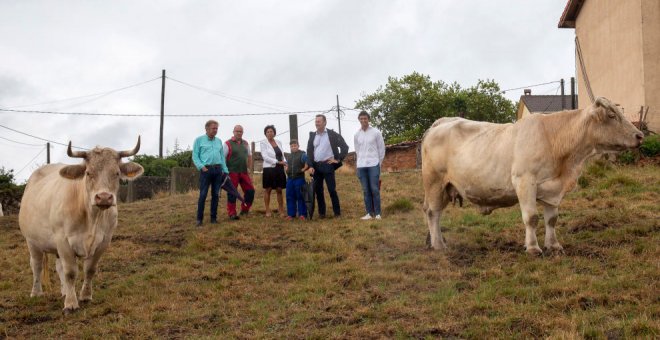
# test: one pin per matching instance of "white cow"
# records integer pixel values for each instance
(537, 159)
(71, 211)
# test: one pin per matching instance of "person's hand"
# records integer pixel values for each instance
(311, 171)
(204, 169)
(332, 161)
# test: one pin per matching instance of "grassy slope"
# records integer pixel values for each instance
(342, 278)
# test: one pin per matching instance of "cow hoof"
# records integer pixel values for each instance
(536, 251)
(36, 294)
(555, 249)
(85, 299)
(67, 311)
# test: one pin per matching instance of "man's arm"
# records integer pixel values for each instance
(343, 147)
(381, 148)
(195, 155)
(310, 149)
(222, 159)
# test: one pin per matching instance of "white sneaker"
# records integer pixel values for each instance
(378, 217)
(366, 217)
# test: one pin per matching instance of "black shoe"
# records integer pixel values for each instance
(234, 217)
(337, 215)
(243, 213)
(214, 221)
(321, 217)
(199, 224)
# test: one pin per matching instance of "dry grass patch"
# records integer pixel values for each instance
(346, 278)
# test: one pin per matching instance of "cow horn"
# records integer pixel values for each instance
(75, 154)
(131, 152)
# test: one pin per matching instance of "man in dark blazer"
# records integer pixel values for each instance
(326, 150)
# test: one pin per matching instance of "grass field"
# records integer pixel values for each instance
(345, 278)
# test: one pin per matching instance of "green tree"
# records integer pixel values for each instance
(6, 177)
(405, 107)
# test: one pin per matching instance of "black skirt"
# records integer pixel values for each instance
(274, 178)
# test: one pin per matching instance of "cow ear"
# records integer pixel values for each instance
(73, 171)
(130, 170)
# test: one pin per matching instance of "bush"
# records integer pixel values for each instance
(154, 166)
(627, 157)
(651, 146)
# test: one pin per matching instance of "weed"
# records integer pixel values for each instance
(400, 205)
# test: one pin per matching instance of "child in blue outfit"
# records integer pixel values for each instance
(295, 173)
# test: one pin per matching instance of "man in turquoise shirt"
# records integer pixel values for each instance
(207, 154)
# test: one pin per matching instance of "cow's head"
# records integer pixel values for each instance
(611, 130)
(101, 172)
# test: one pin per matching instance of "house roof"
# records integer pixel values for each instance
(545, 104)
(570, 14)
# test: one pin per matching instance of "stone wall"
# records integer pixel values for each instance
(402, 156)
(184, 180)
(143, 187)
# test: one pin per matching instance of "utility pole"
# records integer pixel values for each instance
(573, 98)
(293, 127)
(48, 153)
(563, 104)
(162, 117)
(338, 116)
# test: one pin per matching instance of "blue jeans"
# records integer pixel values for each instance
(294, 197)
(369, 178)
(210, 178)
(324, 171)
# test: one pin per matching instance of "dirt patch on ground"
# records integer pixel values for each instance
(174, 237)
(586, 251)
(464, 255)
(591, 225)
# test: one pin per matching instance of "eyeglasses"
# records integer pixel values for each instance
(238, 131)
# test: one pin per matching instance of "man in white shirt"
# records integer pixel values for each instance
(370, 152)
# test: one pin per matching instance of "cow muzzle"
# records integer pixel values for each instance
(104, 200)
(640, 138)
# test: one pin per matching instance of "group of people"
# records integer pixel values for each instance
(219, 162)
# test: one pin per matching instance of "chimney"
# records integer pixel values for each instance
(528, 92)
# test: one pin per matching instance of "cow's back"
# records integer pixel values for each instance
(475, 157)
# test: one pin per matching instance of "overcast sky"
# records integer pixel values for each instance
(247, 57)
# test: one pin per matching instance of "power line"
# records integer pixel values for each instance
(550, 101)
(528, 86)
(283, 132)
(230, 97)
(20, 142)
(30, 162)
(43, 139)
(158, 115)
(100, 94)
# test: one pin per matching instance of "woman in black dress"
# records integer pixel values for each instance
(273, 174)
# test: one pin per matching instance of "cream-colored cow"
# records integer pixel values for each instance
(71, 211)
(537, 159)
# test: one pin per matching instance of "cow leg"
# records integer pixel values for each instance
(526, 191)
(60, 274)
(70, 272)
(90, 270)
(435, 200)
(550, 214)
(36, 263)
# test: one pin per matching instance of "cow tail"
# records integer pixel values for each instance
(45, 273)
